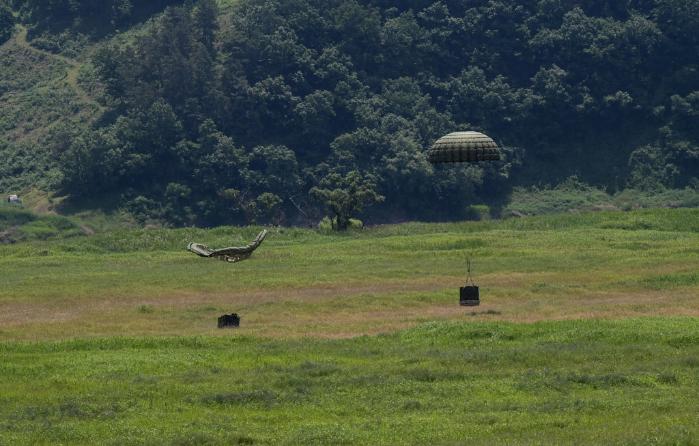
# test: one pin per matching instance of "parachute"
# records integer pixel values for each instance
(232, 254)
(463, 147)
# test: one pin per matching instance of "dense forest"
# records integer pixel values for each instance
(7, 22)
(284, 111)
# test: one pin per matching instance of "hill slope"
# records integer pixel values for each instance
(237, 112)
(39, 95)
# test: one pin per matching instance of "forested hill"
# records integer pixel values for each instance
(271, 110)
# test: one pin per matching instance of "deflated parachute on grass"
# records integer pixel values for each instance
(232, 254)
(463, 147)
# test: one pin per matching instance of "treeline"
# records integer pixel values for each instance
(7, 21)
(91, 16)
(291, 108)
(68, 26)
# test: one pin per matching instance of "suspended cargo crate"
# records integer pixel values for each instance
(469, 295)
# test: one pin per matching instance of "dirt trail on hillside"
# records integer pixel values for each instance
(71, 74)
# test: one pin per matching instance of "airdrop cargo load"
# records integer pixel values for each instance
(229, 321)
(469, 294)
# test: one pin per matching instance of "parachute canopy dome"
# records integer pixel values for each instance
(463, 147)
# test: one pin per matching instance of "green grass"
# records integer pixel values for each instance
(609, 264)
(17, 224)
(593, 382)
(587, 333)
(575, 196)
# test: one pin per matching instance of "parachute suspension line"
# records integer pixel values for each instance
(469, 279)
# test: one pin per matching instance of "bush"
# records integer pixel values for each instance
(478, 212)
(19, 224)
(10, 216)
(668, 198)
(328, 225)
(572, 194)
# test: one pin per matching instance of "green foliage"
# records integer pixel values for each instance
(328, 225)
(218, 101)
(573, 195)
(7, 22)
(569, 195)
(633, 199)
(37, 105)
(87, 16)
(651, 169)
(20, 225)
(49, 227)
(346, 196)
(69, 27)
(14, 216)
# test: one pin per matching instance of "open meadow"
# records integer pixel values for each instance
(587, 333)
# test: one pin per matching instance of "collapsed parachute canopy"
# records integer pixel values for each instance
(463, 147)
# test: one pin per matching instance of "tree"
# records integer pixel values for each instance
(206, 22)
(7, 22)
(216, 162)
(651, 169)
(346, 196)
(294, 96)
(268, 207)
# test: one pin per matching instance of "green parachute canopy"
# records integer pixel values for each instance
(463, 147)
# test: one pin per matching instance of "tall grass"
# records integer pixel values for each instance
(574, 196)
(18, 224)
(582, 382)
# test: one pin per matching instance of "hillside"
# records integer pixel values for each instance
(236, 112)
(44, 92)
(37, 96)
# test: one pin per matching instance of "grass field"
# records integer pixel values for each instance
(587, 333)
